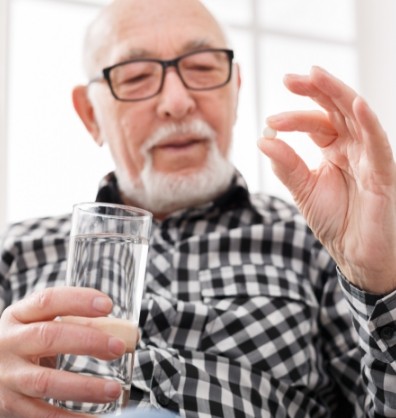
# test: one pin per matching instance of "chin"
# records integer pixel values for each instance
(161, 192)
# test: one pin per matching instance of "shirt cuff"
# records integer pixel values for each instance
(374, 319)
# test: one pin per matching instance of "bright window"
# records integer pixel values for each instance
(272, 38)
(52, 161)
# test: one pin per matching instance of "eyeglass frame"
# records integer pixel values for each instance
(165, 64)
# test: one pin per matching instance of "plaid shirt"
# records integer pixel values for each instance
(243, 314)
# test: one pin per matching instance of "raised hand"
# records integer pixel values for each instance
(29, 334)
(349, 201)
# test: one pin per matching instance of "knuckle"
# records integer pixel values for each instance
(43, 298)
(48, 334)
(93, 341)
(15, 405)
(41, 383)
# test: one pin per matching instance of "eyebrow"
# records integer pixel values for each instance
(194, 45)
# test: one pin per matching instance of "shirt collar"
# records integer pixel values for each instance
(236, 196)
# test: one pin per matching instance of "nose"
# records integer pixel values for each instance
(175, 101)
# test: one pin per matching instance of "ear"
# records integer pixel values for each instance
(83, 106)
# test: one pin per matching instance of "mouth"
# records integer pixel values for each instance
(179, 144)
(179, 152)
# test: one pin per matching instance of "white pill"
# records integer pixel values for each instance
(269, 133)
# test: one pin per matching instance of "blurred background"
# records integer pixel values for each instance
(47, 160)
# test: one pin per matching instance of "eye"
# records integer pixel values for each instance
(202, 67)
(138, 78)
(134, 73)
(204, 62)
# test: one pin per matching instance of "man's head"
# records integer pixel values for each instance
(171, 148)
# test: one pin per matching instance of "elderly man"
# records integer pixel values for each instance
(245, 313)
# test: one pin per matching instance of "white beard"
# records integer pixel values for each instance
(163, 193)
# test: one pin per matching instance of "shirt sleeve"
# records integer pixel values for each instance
(374, 318)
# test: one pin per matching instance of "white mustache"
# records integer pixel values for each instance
(196, 127)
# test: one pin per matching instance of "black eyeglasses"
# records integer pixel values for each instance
(140, 79)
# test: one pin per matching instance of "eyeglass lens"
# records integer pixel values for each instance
(140, 79)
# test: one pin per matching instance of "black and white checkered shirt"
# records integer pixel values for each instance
(243, 314)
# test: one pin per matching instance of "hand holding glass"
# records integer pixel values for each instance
(108, 252)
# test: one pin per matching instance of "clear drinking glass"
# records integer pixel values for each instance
(108, 251)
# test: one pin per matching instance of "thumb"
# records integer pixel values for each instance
(286, 164)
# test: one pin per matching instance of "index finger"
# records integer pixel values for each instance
(303, 86)
(325, 89)
(47, 304)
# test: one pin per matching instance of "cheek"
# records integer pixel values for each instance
(223, 103)
(131, 139)
(225, 140)
(123, 138)
(221, 116)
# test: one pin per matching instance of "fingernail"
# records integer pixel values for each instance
(116, 346)
(317, 67)
(102, 304)
(112, 390)
(274, 118)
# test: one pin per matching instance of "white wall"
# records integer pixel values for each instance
(52, 160)
(376, 44)
(3, 115)
(376, 21)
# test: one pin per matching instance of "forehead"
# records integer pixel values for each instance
(157, 28)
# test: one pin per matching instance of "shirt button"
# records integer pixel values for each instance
(387, 332)
(162, 400)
